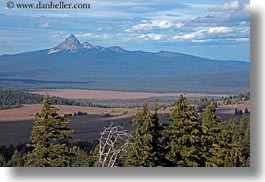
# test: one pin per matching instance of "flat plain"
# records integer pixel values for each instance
(98, 94)
(16, 124)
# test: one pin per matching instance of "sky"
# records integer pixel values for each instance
(217, 29)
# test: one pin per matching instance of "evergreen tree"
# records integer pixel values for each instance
(245, 141)
(239, 154)
(16, 160)
(48, 136)
(93, 156)
(80, 159)
(215, 148)
(2, 161)
(145, 149)
(246, 111)
(236, 112)
(184, 135)
(156, 130)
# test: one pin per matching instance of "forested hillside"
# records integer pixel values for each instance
(14, 99)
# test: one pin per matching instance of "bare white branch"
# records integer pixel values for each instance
(112, 142)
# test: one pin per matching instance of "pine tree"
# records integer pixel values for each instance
(184, 134)
(215, 148)
(93, 156)
(246, 112)
(156, 130)
(48, 136)
(2, 161)
(80, 159)
(145, 149)
(245, 143)
(230, 144)
(16, 160)
(239, 153)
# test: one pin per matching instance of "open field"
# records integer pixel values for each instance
(228, 111)
(97, 94)
(16, 124)
(85, 128)
(27, 112)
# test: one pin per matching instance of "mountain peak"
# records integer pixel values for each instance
(117, 49)
(71, 43)
(72, 36)
(86, 45)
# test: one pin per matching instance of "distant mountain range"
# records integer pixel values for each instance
(72, 61)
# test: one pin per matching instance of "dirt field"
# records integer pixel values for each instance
(228, 111)
(27, 112)
(96, 94)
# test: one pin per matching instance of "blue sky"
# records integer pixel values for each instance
(213, 29)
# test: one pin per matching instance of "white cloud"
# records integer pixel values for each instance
(247, 7)
(45, 25)
(164, 24)
(242, 39)
(179, 25)
(220, 30)
(150, 36)
(201, 40)
(59, 34)
(93, 36)
(211, 34)
(221, 40)
(189, 36)
(231, 6)
(152, 25)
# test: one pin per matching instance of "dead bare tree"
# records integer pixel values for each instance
(112, 142)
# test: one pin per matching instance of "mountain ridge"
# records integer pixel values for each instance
(80, 62)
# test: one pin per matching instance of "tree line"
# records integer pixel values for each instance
(14, 99)
(189, 140)
(236, 99)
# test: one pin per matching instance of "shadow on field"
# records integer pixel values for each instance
(224, 173)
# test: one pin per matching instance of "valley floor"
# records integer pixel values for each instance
(98, 94)
(16, 124)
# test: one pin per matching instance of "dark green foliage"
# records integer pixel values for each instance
(184, 134)
(214, 138)
(246, 112)
(238, 112)
(146, 147)
(2, 161)
(67, 115)
(48, 136)
(236, 99)
(93, 156)
(79, 159)
(86, 146)
(14, 99)
(7, 151)
(244, 141)
(187, 140)
(17, 160)
(203, 102)
(239, 154)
